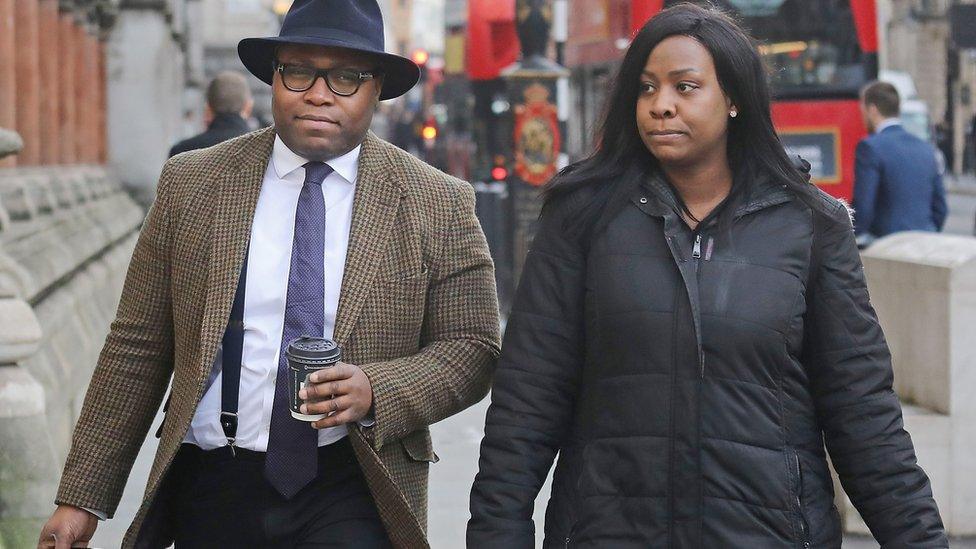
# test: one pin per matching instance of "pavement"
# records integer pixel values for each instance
(962, 205)
(457, 439)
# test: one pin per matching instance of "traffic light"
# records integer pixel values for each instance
(429, 132)
(420, 57)
(499, 172)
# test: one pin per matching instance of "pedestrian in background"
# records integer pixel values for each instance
(691, 328)
(943, 140)
(972, 140)
(897, 184)
(311, 227)
(229, 105)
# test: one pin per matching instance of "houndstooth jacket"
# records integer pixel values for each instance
(417, 312)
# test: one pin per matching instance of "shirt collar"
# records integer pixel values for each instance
(285, 161)
(887, 123)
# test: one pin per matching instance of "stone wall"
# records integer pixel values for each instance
(66, 235)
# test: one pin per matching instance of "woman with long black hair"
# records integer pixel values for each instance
(691, 330)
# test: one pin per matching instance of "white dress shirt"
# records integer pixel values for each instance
(265, 292)
(887, 123)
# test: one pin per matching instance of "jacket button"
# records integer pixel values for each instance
(643, 200)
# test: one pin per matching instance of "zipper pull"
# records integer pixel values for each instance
(697, 251)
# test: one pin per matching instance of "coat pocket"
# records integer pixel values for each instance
(418, 447)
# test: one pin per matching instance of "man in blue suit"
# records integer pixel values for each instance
(897, 184)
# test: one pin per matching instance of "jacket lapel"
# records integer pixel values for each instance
(235, 194)
(375, 206)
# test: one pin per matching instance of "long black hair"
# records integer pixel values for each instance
(620, 160)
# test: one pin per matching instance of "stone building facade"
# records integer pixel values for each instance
(154, 62)
(916, 38)
(62, 62)
(52, 85)
(225, 23)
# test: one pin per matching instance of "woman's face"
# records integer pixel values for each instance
(682, 112)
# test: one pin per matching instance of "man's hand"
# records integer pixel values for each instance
(342, 391)
(68, 527)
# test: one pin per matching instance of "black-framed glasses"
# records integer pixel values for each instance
(341, 81)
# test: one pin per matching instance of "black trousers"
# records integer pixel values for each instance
(219, 500)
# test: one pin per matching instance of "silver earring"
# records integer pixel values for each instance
(734, 113)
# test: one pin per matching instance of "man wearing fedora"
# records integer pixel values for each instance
(312, 227)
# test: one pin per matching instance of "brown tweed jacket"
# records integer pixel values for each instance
(417, 311)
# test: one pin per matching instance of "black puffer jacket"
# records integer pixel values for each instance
(689, 382)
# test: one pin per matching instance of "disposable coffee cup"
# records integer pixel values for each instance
(307, 355)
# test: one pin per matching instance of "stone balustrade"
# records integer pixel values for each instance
(66, 235)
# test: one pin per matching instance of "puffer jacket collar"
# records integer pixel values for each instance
(764, 193)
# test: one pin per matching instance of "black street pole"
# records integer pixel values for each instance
(537, 134)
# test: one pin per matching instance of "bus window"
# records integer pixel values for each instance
(810, 46)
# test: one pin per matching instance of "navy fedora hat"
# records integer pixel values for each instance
(350, 24)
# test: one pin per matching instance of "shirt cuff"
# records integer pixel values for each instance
(368, 420)
(101, 515)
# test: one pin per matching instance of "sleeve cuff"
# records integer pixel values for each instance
(368, 420)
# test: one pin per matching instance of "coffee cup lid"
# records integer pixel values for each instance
(314, 348)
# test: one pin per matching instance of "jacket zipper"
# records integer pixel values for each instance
(804, 527)
(696, 253)
(679, 259)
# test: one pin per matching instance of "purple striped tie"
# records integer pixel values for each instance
(292, 458)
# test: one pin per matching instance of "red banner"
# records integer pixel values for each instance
(641, 11)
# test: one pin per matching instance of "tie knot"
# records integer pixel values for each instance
(316, 172)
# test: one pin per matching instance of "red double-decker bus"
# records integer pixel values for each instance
(820, 53)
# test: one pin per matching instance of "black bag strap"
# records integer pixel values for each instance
(231, 356)
(159, 431)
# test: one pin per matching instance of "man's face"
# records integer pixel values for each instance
(317, 123)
